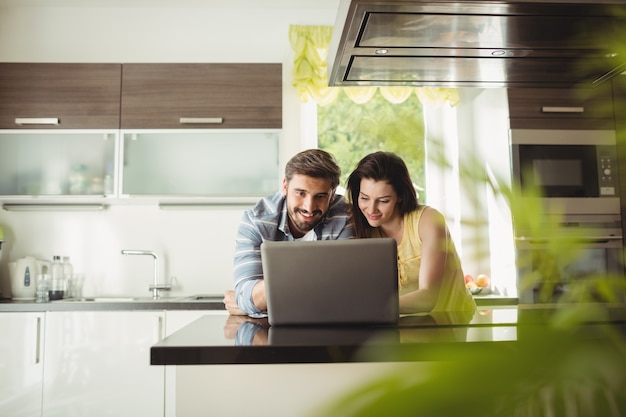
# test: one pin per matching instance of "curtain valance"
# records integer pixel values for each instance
(310, 74)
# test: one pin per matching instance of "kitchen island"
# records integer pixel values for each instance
(257, 368)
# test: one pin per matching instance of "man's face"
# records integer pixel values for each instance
(308, 199)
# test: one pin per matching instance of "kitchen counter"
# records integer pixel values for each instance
(195, 302)
(214, 340)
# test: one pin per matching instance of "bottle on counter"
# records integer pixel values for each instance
(68, 274)
(57, 279)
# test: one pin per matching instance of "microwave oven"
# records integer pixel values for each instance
(573, 171)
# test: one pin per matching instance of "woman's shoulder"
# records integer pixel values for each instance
(427, 219)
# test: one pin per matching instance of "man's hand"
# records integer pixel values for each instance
(232, 325)
(230, 302)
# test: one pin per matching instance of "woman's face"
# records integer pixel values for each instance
(377, 201)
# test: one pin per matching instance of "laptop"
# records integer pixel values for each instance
(331, 282)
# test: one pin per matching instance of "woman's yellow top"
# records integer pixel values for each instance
(453, 295)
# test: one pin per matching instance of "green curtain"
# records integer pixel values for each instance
(310, 74)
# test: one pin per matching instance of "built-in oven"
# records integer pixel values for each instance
(573, 171)
(579, 254)
(581, 263)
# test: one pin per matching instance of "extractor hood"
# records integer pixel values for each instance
(477, 43)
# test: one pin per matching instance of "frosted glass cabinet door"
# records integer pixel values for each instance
(200, 163)
(98, 364)
(21, 363)
(56, 163)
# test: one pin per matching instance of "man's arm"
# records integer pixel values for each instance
(247, 268)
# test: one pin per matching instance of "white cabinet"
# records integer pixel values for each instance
(98, 364)
(21, 363)
(176, 320)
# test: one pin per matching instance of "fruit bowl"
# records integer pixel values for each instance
(475, 290)
(476, 286)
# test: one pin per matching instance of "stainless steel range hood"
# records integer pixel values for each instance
(477, 43)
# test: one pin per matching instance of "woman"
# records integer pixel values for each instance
(384, 204)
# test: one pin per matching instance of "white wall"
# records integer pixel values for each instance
(484, 135)
(195, 246)
(474, 135)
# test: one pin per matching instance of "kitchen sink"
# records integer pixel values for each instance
(205, 297)
(112, 299)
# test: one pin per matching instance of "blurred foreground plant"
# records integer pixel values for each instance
(563, 368)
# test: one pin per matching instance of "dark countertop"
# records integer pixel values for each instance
(195, 302)
(241, 340)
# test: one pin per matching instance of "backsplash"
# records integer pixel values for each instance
(195, 247)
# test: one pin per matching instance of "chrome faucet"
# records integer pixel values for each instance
(155, 287)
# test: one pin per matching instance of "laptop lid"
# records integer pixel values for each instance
(326, 282)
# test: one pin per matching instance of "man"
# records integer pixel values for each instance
(306, 208)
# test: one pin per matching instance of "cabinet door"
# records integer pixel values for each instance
(200, 164)
(98, 364)
(57, 162)
(63, 96)
(174, 96)
(561, 108)
(21, 363)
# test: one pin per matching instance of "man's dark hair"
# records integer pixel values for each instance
(314, 163)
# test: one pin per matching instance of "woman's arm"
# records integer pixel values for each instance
(434, 236)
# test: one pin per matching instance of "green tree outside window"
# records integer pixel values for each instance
(350, 131)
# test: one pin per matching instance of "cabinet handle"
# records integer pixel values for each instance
(200, 120)
(158, 328)
(548, 109)
(53, 207)
(37, 340)
(37, 121)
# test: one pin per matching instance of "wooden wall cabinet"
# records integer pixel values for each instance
(60, 96)
(180, 96)
(62, 125)
(561, 108)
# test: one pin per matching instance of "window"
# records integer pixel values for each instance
(350, 131)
